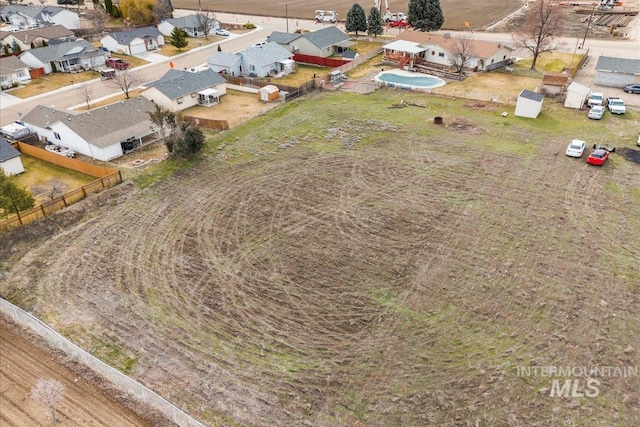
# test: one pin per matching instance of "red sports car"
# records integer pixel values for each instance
(401, 24)
(598, 157)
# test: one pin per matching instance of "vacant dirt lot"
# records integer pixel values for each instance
(341, 262)
(83, 404)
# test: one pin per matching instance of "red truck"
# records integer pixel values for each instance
(117, 63)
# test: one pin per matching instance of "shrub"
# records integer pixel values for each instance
(249, 26)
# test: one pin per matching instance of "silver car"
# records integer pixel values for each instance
(596, 112)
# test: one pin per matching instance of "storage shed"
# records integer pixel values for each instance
(10, 162)
(576, 95)
(529, 104)
(269, 93)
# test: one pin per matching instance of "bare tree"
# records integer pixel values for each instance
(460, 53)
(85, 91)
(48, 393)
(162, 9)
(206, 22)
(126, 81)
(98, 16)
(538, 35)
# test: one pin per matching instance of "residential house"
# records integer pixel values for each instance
(178, 90)
(554, 83)
(134, 41)
(104, 133)
(329, 41)
(442, 50)
(529, 104)
(577, 95)
(617, 72)
(193, 25)
(36, 37)
(10, 162)
(32, 17)
(261, 60)
(13, 72)
(65, 57)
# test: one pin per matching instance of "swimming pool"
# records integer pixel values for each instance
(408, 80)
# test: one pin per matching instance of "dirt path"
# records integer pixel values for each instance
(83, 405)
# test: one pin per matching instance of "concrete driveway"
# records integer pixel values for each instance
(152, 57)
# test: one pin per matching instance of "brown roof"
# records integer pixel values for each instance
(555, 79)
(47, 33)
(479, 48)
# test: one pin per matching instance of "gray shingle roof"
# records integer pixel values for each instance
(283, 38)
(102, 126)
(7, 152)
(224, 59)
(126, 37)
(267, 53)
(30, 11)
(189, 21)
(11, 64)
(535, 96)
(70, 50)
(326, 37)
(618, 65)
(176, 83)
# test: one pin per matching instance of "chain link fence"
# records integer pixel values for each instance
(133, 388)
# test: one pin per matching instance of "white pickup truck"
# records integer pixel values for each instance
(596, 98)
(616, 105)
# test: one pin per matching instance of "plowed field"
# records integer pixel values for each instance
(339, 262)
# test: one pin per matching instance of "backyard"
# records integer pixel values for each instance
(337, 261)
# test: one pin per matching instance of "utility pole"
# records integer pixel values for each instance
(588, 25)
(286, 13)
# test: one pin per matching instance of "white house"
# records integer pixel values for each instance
(65, 57)
(529, 104)
(443, 49)
(178, 90)
(31, 17)
(13, 72)
(190, 24)
(576, 95)
(261, 60)
(103, 133)
(134, 41)
(10, 161)
(328, 41)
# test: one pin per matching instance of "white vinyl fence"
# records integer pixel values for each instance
(134, 389)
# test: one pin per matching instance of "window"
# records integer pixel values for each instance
(252, 67)
(56, 135)
(441, 54)
(180, 100)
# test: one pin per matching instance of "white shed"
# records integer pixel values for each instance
(269, 93)
(576, 95)
(529, 104)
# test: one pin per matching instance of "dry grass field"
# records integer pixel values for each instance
(456, 12)
(339, 262)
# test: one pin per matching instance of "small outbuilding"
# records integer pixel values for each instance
(269, 93)
(10, 162)
(529, 104)
(576, 95)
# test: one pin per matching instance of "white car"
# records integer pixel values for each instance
(596, 112)
(222, 32)
(596, 98)
(576, 148)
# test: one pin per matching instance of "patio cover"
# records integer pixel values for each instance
(208, 92)
(345, 43)
(404, 46)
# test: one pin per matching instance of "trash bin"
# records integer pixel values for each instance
(437, 120)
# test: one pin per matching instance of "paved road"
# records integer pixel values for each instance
(67, 97)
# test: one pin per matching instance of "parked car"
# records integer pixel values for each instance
(598, 157)
(616, 105)
(222, 32)
(596, 98)
(596, 112)
(632, 88)
(117, 63)
(400, 24)
(576, 148)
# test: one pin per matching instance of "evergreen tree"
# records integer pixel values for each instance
(178, 38)
(425, 15)
(374, 22)
(356, 19)
(108, 6)
(13, 198)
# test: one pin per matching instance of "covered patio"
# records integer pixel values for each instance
(209, 97)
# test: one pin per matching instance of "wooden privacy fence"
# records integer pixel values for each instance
(209, 123)
(107, 178)
(317, 60)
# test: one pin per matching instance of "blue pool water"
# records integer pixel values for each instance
(409, 80)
